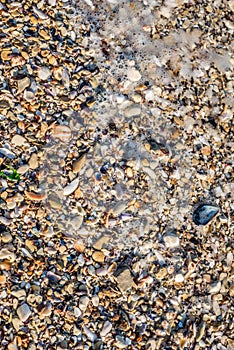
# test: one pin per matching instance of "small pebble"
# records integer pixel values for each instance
(23, 312)
(107, 326)
(98, 257)
(133, 74)
(18, 140)
(171, 240)
(71, 187)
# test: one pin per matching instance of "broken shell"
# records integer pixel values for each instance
(204, 213)
(35, 196)
(70, 188)
(23, 84)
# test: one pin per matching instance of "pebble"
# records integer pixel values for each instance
(215, 287)
(204, 213)
(33, 161)
(95, 300)
(54, 201)
(19, 293)
(18, 140)
(83, 303)
(62, 132)
(23, 84)
(6, 254)
(125, 280)
(44, 73)
(71, 187)
(91, 335)
(23, 312)
(37, 197)
(46, 310)
(77, 312)
(107, 326)
(179, 278)
(132, 111)
(12, 347)
(98, 257)
(122, 343)
(2, 279)
(7, 153)
(23, 169)
(5, 221)
(171, 240)
(79, 163)
(101, 242)
(133, 74)
(6, 237)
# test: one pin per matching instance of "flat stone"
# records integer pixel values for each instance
(7, 153)
(54, 201)
(23, 84)
(62, 132)
(23, 169)
(132, 111)
(101, 242)
(44, 73)
(125, 280)
(23, 312)
(6, 254)
(107, 326)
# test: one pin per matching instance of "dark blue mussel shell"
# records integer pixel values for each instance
(204, 213)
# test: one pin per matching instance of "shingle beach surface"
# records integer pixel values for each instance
(116, 175)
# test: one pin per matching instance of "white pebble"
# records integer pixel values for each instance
(106, 328)
(133, 74)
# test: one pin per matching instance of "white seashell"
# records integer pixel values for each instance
(70, 188)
